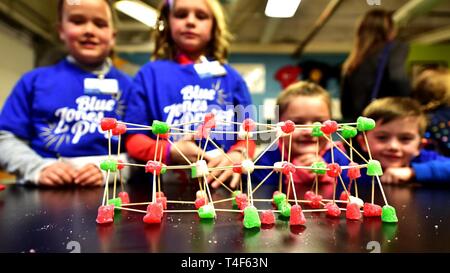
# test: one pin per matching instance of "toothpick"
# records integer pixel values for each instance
(221, 183)
(109, 144)
(105, 190)
(181, 153)
(265, 150)
(293, 188)
(382, 191)
(114, 189)
(135, 210)
(225, 154)
(264, 180)
(352, 149)
(367, 145)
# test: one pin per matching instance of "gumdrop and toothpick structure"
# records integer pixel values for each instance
(243, 198)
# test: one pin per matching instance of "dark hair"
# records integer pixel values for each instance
(388, 109)
(61, 6)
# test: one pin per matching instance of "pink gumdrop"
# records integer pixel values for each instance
(200, 202)
(267, 217)
(353, 212)
(297, 217)
(288, 168)
(153, 166)
(163, 201)
(108, 123)
(353, 173)
(343, 196)
(120, 129)
(202, 132)
(241, 198)
(210, 121)
(159, 194)
(288, 127)
(105, 214)
(332, 210)
(248, 125)
(123, 195)
(329, 127)
(371, 210)
(154, 213)
(334, 170)
(120, 164)
(309, 195)
(237, 168)
(315, 201)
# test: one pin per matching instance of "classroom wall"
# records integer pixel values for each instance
(420, 54)
(16, 57)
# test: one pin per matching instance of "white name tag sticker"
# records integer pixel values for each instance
(209, 69)
(101, 86)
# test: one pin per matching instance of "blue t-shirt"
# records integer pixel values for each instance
(168, 91)
(49, 109)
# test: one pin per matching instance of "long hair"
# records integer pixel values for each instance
(432, 88)
(217, 48)
(372, 33)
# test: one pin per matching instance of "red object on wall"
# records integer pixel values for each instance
(287, 75)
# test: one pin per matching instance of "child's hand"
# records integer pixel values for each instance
(57, 174)
(225, 175)
(397, 175)
(89, 175)
(189, 149)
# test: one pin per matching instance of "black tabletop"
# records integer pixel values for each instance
(63, 220)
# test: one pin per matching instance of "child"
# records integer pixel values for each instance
(50, 124)
(395, 142)
(173, 90)
(432, 90)
(303, 103)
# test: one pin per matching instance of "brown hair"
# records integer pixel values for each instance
(301, 88)
(391, 108)
(432, 88)
(372, 33)
(217, 48)
(109, 2)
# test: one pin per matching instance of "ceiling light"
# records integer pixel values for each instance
(139, 11)
(281, 8)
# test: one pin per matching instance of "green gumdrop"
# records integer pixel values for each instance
(251, 217)
(233, 201)
(279, 198)
(365, 124)
(374, 168)
(316, 132)
(159, 127)
(319, 165)
(348, 131)
(163, 170)
(108, 165)
(206, 212)
(193, 171)
(117, 202)
(285, 209)
(388, 214)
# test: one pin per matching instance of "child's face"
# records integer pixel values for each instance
(306, 110)
(191, 23)
(395, 143)
(87, 31)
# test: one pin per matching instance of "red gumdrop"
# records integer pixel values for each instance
(334, 170)
(371, 210)
(163, 201)
(288, 127)
(315, 201)
(120, 129)
(200, 202)
(309, 195)
(210, 121)
(108, 123)
(332, 210)
(159, 194)
(202, 132)
(343, 196)
(237, 168)
(163, 136)
(105, 214)
(329, 127)
(120, 165)
(154, 213)
(123, 195)
(241, 198)
(153, 166)
(248, 125)
(267, 217)
(297, 217)
(288, 168)
(353, 173)
(2, 187)
(353, 212)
